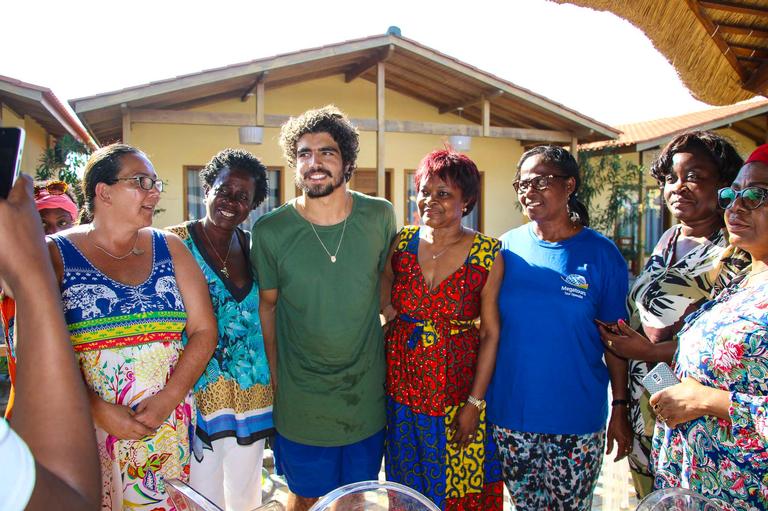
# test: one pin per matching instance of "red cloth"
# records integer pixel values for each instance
(759, 155)
(47, 201)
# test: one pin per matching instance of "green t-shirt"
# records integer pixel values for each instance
(330, 346)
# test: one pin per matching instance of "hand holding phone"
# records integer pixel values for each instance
(659, 378)
(611, 327)
(11, 146)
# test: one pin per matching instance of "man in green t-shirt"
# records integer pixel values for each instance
(318, 259)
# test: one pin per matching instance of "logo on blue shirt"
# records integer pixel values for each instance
(577, 286)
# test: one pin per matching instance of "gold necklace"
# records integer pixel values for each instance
(224, 270)
(332, 257)
(134, 251)
(435, 256)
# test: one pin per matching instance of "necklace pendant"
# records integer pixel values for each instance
(225, 272)
(137, 251)
(333, 258)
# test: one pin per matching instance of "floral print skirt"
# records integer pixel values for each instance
(133, 471)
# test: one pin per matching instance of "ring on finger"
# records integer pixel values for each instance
(610, 344)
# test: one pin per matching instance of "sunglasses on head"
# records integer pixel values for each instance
(752, 197)
(52, 188)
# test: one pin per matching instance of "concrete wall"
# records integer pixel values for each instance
(35, 141)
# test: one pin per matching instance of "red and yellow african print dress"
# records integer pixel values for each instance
(432, 352)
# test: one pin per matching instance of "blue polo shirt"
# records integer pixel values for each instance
(550, 373)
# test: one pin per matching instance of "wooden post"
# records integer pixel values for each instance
(1, 114)
(380, 121)
(575, 147)
(126, 123)
(640, 256)
(260, 103)
(486, 117)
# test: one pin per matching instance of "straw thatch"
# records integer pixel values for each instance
(713, 58)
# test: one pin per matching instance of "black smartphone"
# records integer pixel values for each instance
(11, 145)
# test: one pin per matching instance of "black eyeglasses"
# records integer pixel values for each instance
(752, 197)
(145, 182)
(539, 183)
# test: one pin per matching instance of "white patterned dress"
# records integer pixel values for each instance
(127, 340)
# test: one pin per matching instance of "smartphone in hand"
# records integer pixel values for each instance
(611, 327)
(659, 378)
(11, 146)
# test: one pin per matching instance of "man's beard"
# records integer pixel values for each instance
(319, 190)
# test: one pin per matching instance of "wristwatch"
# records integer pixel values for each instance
(478, 403)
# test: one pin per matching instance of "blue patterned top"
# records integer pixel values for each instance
(234, 394)
(723, 345)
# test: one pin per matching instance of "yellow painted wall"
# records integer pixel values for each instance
(35, 141)
(171, 147)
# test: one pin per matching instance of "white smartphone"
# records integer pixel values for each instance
(11, 146)
(659, 378)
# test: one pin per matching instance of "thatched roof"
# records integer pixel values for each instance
(718, 47)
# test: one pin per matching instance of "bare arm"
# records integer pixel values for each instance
(619, 429)
(267, 304)
(468, 418)
(387, 278)
(51, 411)
(202, 336)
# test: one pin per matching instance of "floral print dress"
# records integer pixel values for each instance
(723, 345)
(127, 340)
(665, 292)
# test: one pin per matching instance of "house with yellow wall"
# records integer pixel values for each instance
(405, 98)
(745, 124)
(43, 117)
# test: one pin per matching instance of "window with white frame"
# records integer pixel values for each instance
(195, 198)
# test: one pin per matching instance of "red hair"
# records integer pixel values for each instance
(454, 168)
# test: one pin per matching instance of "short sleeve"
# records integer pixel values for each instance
(390, 230)
(263, 260)
(17, 470)
(613, 299)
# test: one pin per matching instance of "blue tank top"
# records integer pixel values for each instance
(102, 313)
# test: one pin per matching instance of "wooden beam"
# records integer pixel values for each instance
(575, 147)
(759, 78)
(470, 102)
(359, 69)
(260, 104)
(391, 126)
(258, 81)
(723, 5)
(486, 117)
(712, 30)
(380, 129)
(748, 47)
(732, 28)
(746, 133)
(126, 138)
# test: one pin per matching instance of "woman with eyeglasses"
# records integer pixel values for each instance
(691, 262)
(712, 428)
(234, 394)
(548, 396)
(57, 208)
(129, 291)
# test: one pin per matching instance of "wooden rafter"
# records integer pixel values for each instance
(746, 133)
(713, 31)
(748, 47)
(759, 78)
(469, 102)
(723, 5)
(730, 28)
(258, 81)
(365, 65)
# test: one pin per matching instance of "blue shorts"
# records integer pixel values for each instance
(313, 471)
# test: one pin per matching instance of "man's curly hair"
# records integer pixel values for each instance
(328, 119)
(237, 159)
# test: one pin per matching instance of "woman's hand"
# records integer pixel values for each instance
(464, 425)
(625, 342)
(689, 400)
(620, 432)
(154, 410)
(118, 420)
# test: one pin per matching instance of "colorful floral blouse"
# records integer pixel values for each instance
(723, 345)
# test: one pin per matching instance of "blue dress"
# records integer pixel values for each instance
(234, 393)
